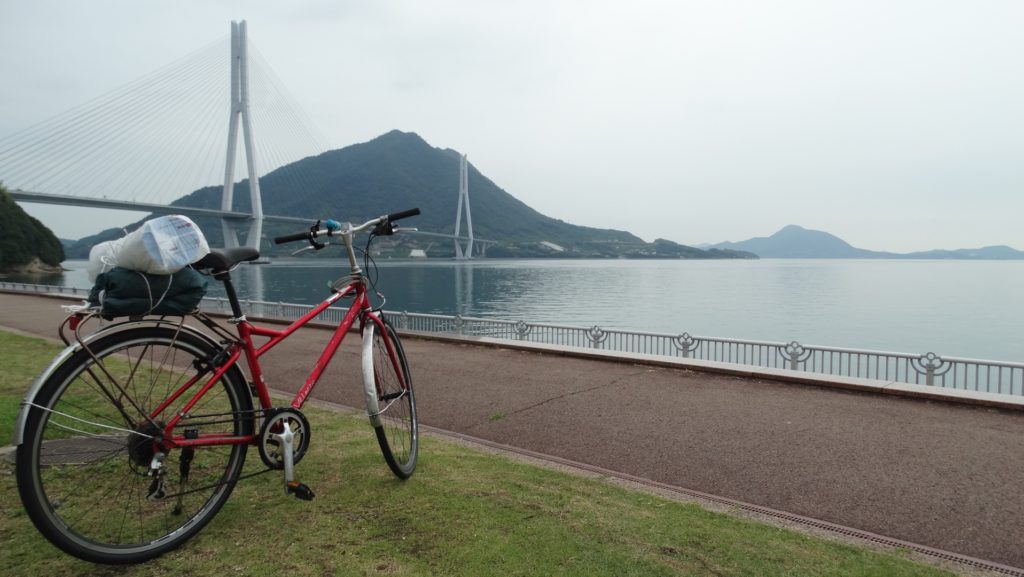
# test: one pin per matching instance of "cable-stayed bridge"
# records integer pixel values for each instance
(146, 144)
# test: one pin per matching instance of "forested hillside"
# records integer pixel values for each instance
(24, 239)
(395, 171)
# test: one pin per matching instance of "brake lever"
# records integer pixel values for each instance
(407, 229)
(314, 243)
(317, 246)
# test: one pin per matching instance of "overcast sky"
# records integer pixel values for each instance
(895, 124)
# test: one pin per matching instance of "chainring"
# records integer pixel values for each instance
(274, 423)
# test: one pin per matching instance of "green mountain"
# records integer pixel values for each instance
(400, 170)
(796, 242)
(25, 243)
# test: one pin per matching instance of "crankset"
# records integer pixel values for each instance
(284, 439)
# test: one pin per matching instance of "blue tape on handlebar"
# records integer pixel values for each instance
(332, 225)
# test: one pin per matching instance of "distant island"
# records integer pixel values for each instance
(797, 242)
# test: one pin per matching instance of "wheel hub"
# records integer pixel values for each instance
(142, 444)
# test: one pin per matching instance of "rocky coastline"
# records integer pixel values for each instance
(35, 266)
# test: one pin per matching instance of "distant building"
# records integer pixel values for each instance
(552, 246)
(417, 253)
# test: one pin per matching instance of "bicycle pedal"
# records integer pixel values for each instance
(300, 490)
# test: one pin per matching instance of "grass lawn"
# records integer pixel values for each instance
(464, 512)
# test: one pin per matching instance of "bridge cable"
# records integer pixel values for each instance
(65, 129)
(82, 136)
(151, 136)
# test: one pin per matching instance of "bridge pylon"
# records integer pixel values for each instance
(460, 253)
(240, 112)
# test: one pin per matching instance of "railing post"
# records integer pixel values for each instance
(795, 353)
(932, 366)
(522, 330)
(686, 344)
(597, 336)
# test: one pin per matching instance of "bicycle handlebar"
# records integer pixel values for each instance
(404, 214)
(316, 231)
(291, 237)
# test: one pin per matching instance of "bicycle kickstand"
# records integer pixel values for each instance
(291, 486)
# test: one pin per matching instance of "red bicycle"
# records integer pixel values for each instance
(132, 439)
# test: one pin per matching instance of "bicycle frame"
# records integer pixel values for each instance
(360, 309)
(360, 306)
(244, 346)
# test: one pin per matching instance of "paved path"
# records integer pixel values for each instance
(940, 474)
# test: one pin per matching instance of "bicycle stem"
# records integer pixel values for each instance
(346, 236)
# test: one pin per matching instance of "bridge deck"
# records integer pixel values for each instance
(68, 200)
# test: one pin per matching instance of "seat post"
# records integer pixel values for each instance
(236, 307)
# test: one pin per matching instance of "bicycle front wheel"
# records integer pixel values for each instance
(91, 472)
(394, 416)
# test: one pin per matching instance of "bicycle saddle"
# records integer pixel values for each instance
(222, 259)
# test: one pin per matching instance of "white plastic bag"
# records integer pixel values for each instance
(103, 257)
(162, 245)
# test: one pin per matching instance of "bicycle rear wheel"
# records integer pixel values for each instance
(395, 422)
(84, 465)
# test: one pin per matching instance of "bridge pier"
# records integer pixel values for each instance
(240, 111)
(463, 199)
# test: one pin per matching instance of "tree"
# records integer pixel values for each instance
(24, 238)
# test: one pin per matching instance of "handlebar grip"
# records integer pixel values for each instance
(404, 214)
(291, 237)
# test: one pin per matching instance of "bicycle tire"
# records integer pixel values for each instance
(397, 431)
(81, 468)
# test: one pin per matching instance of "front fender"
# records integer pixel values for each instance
(369, 383)
(37, 384)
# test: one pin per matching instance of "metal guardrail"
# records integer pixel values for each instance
(930, 369)
(43, 289)
(925, 369)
